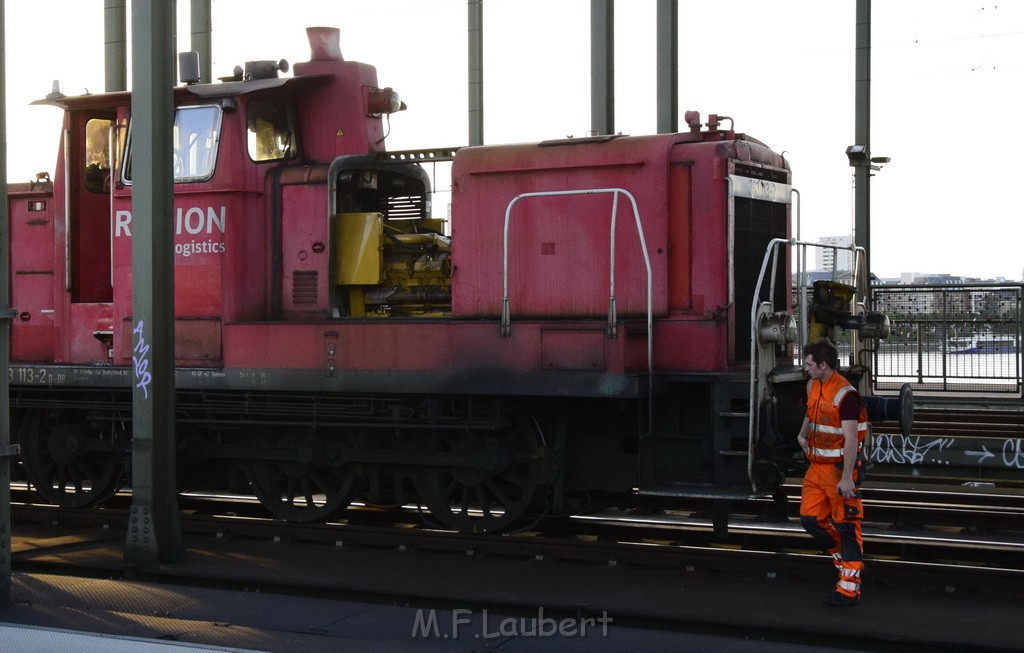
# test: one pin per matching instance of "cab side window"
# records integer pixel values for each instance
(97, 155)
(271, 131)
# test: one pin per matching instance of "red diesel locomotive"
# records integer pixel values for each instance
(598, 315)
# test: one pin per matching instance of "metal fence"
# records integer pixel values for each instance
(950, 338)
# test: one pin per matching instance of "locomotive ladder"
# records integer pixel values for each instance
(612, 327)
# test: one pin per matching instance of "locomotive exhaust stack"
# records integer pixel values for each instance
(324, 43)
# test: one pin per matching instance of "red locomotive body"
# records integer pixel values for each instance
(584, 324)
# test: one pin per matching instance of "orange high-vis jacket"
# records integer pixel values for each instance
(825, 437)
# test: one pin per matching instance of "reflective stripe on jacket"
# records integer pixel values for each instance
(825, 436)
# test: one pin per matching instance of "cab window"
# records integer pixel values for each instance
(271, 131)
(195, 139)
(196, 134)
(97, 155)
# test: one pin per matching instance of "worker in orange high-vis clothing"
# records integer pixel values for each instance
(832, 435)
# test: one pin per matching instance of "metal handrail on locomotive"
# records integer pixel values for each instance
(337, 343)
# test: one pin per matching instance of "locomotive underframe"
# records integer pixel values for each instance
(391, 448)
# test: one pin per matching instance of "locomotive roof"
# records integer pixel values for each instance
(183, 93)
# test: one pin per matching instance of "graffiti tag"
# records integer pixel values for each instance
(914, 450)
(1013, 453)
(141, 361)
(983, 455)
(917, 450)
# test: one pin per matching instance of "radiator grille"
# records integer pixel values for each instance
(406, 207)
(757, 223)
(756, 172)
(304, 287)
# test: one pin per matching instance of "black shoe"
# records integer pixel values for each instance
(840, 600)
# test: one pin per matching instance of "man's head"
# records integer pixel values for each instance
(821, 358)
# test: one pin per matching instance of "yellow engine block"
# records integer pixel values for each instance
(388, 268)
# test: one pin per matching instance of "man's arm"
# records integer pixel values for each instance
(801, 437)
(846, 485)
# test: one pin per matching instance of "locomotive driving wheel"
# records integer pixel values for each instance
(312, 486)
(71, 460)
(499, 490)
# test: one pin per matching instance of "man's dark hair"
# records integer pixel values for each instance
(823, 351)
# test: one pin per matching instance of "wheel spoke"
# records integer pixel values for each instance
(323, 480)
(74, 471)
(499, 494)
(307, 489)
(292, 485)
(485, 504)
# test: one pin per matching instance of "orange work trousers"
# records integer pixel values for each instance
(834, 521)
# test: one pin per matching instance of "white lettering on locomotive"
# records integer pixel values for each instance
(199, 247)
(196, 222)
(764, 190)
(192, 221)
(760, 189)
(122, 223)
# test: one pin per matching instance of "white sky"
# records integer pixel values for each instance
(947, 88)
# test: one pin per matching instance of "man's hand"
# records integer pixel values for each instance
(802, 439)
(847, 488)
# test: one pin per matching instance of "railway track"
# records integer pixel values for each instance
(976, 539)
(398, 557)
(911, 506)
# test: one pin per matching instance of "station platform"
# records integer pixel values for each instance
(110, 616)
(449, 604)
(28, 639)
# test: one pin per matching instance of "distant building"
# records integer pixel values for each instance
(810, 276)
(933, 279)
(834, 259)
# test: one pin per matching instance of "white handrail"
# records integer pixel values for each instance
(612, 318)
(771, 257)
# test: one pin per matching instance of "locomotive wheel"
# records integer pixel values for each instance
(69, 461)
(500, 491)
(300, 491)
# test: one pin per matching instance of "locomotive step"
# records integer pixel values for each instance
(702, 491)
(787, 374)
